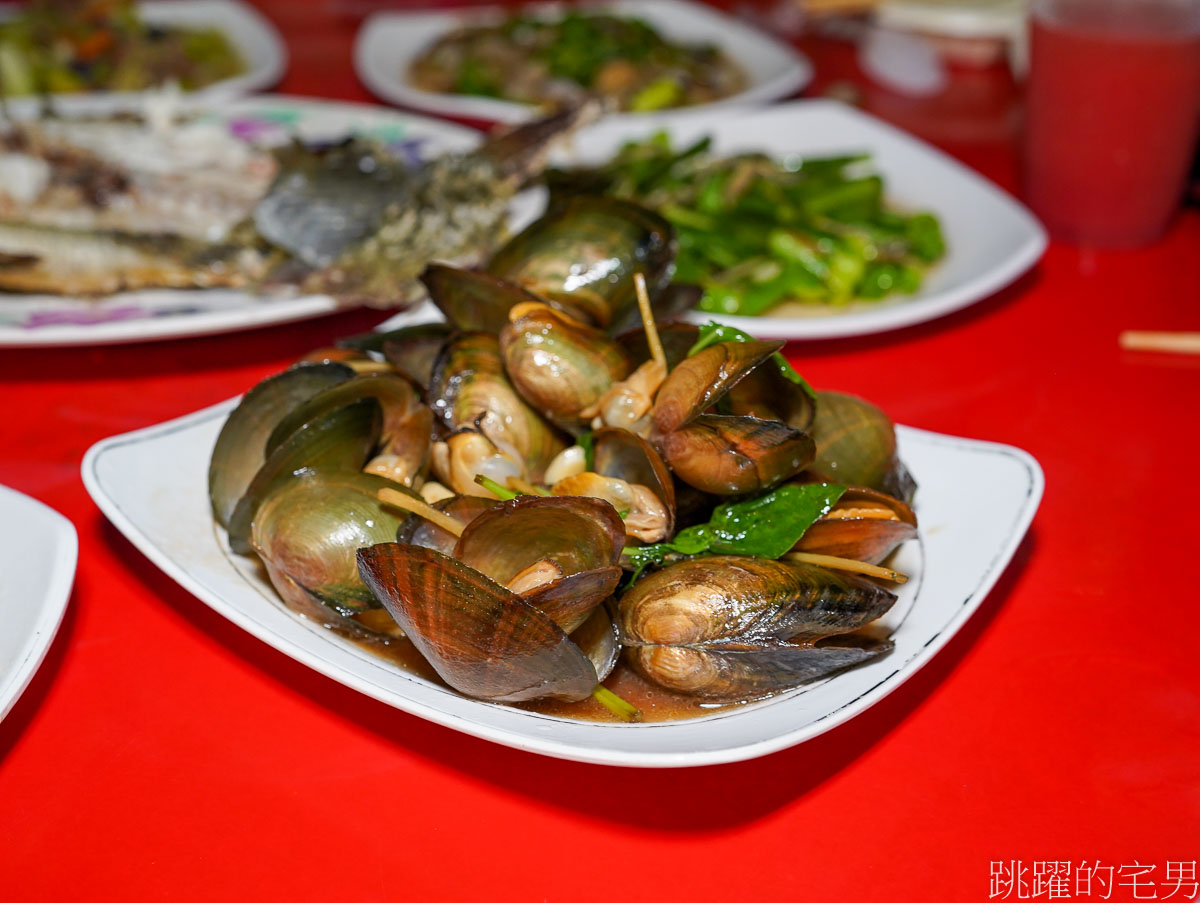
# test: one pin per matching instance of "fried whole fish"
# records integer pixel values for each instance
(90, 207)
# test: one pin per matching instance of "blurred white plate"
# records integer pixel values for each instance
(38, 550)
(256, 39)
(389, 42)
(991, 238)
(171, 313)
(152, 484)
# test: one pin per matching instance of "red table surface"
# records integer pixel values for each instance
(162, 753)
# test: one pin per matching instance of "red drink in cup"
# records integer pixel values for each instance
(1114, 107)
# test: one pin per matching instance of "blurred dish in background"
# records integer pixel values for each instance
(560, 61)
(742, 64)
(104, 54)
(56, 319)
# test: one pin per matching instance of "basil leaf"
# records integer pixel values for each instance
(763, 527)
(768, 526)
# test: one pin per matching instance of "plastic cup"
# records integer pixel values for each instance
(1113, 114)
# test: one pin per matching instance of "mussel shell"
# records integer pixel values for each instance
(421, 532)
(629, 457)
(483, 640)
(703, 379)
(560, 365)
(311, 528)
(414, 349)
(584, 253)
(742, 674)
(769, 395)
(732, 455)
(677, 339)
(239, 452)
(736, 627)
(472, 301)
(407, 423)
(578, 534)
(869, 539)
(733, 599)
(856, 445)
(599, 640)
(470, 389)
(583, 537)
(668, 305)
(341, 439)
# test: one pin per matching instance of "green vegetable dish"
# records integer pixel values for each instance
(66, 46)
(553, 63)
(771, 236)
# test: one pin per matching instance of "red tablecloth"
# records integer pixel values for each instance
(162, 753)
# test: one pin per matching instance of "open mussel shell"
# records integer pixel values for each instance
(472, 301)
(584, 253)
(559, 365)
(723, 454)
(856, 445)
(729, 626)
(470, 390)
(703, 379)
(767, 394)
(307, 535)
(864, 525)
(733, 455)
(599, 640)
(677, 339)
(581, 538)
(483, 640)
(240, 449)
(407, 423)
(412, 350)
(421, 532)
(627, 456)
(341, 439)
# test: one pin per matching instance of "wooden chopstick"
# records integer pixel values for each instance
(1177, 342)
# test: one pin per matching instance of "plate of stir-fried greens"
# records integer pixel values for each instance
(810, 219)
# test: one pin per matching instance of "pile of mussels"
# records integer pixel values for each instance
(559, 476)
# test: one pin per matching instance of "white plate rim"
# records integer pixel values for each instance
(1021, 519)
(255, 312)
(252, 31)
(374, 34)
(60, 563)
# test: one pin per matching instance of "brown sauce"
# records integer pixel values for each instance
(654, 702)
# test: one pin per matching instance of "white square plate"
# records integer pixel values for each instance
(256, 39)
(152, 484)
(991, 239)
(389, 42)
(38, 550)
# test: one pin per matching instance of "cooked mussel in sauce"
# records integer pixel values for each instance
(556, 501)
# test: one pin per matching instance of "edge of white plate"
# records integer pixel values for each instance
(58, 593)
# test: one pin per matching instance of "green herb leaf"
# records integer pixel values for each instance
(763, 527)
